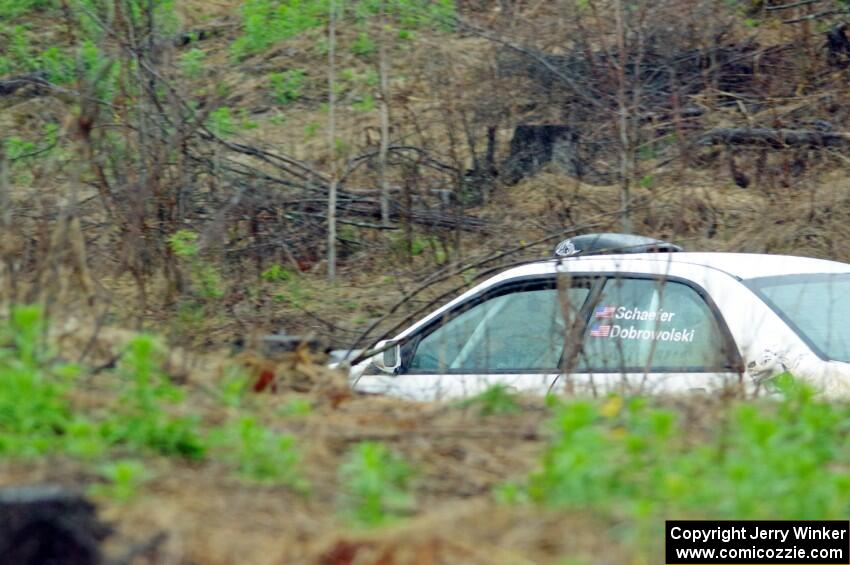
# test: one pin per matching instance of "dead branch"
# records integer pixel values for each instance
(11, 85)
(816, 16)
(776, 138)
(791, 5)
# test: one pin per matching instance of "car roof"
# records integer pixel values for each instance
(739, 265)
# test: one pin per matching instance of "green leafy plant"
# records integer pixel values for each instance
(58, 65)
(205, 275)
(192, 62)
(296, 407)
(220, 121)
(377, 485)
(495, 400)
(365, 104)
(15, 8)
(233, 386)
(260, 454)
(143, 419)
(265, 22)
(123, 480)
(311, 129)
(34, 413)
(276, 273)
(287, 86)
(632, 461)
(363, 45)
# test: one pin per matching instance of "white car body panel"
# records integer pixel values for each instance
(767, 345)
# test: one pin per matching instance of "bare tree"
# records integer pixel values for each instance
(334, 181)
(385, 117)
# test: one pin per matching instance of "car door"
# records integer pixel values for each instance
(648, 335)
(511, 335)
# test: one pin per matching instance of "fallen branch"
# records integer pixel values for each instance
(11, 85)
(776, 138)
(816, 16)
(791, 5)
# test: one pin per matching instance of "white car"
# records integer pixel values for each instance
(629, 314)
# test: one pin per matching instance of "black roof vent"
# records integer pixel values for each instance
(602, 243)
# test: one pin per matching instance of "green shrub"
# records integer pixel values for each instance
(58, 65)
(631, 461)
(376, 484)
(10, 9)
(260, 454)
(123, 479)
(296, 407)
(287, 86)
(276, 273)
(34, 413)
(184, 244)
(494, 401)
(265, 22)
(363, 45)
(220, 121)
(192, 62)
(142, 419)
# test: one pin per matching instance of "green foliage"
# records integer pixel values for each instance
(245, 121)
(260, 454)
(17, 148)
(220, 121)
(276, 273)
(58, 65)
(123, 479)
(377, 485)
(296, 407)
(369, 77)
(365, 104)
(192, 62)
(10, 9)
(184, 243)
(205, 276)
(628, 459)
(286, 87)
(495, 400)
(363, 45)
(148, 416)
(409, 14)
(17, 53)
(233, 387)
(33, 411)
(417, 246)
(143, 419)
(311, 129)
(265, 22)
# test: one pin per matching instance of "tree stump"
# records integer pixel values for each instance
(46, 524)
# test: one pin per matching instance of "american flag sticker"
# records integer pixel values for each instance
(597, 330)
(604, 312)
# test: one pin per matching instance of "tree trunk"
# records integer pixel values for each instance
(332, 141)
(623, 123)
(385, 120)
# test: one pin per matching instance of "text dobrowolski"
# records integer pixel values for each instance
(659, 331)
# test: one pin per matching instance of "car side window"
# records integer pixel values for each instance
(655, 326)
(518, 331)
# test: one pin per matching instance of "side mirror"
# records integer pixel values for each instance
(389, 357)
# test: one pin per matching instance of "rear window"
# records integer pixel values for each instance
(816, 306)
(646, 325)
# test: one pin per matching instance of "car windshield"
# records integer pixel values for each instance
(816, 306)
